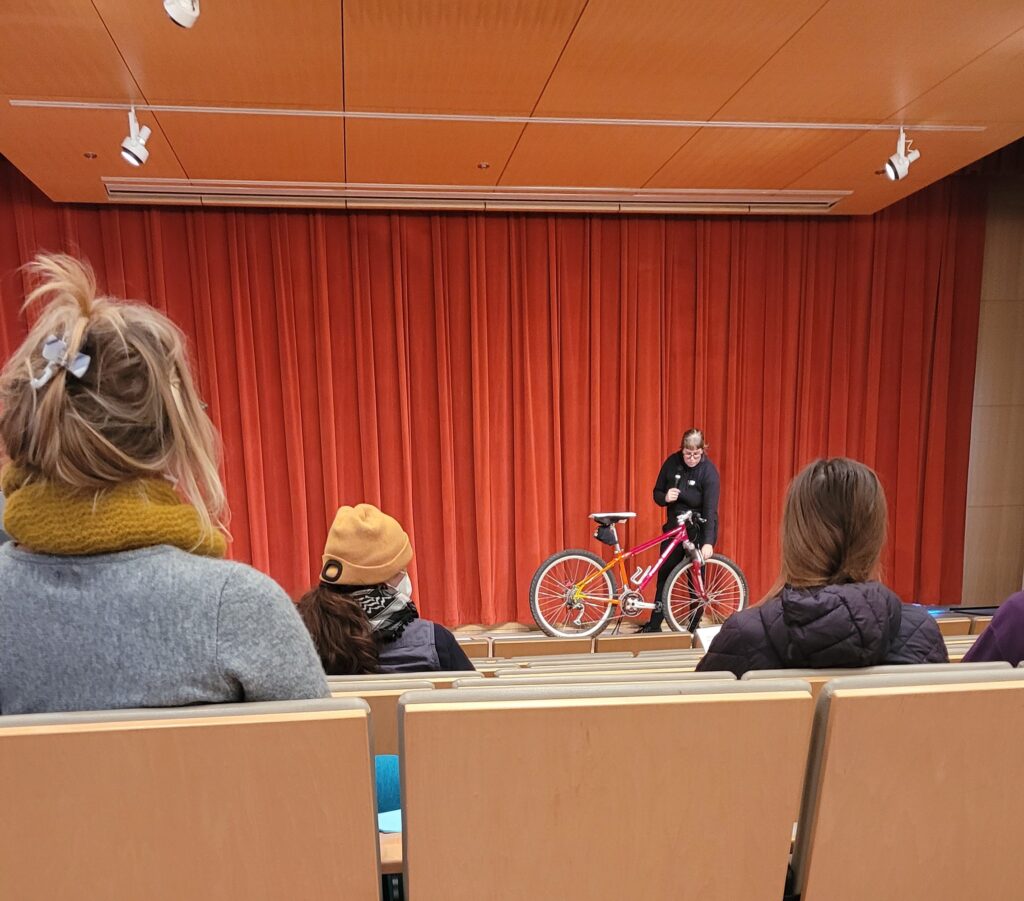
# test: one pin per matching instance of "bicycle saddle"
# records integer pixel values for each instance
(609, 519)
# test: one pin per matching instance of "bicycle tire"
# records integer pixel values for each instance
(722, 578)
(587, 562)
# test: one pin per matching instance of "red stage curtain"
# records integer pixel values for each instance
(491, 379)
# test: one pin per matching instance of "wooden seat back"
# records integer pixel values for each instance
(886, 812)
(383, 703)
(437, 679)
(541, 760)
(531, 647)
(818, 678)
(598, 679)
(233, 802)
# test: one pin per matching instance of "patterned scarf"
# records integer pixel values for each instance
(388, 611)
(52, 519)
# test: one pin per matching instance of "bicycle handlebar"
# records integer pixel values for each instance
(689, 516)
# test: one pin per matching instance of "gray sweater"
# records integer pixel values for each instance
(155, 627)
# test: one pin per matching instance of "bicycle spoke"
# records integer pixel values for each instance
(722, 594)
(559, 601)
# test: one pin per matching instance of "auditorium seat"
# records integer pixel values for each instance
(958, 645)
(548, 659)
(594, 679)
(490, 667)
(475, 647)
(889, 811)
(230, 802)
(673, 652)
(640, 643)
(382, 699)
(979, 624)
(532, 647)
(437, 679)
(817, 678)
(625, 666)
(553, 828)
(953, 624)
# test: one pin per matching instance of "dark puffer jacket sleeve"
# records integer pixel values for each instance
(741, 645)
(919, 639)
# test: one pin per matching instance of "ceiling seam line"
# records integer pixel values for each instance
(937, 84)
(138, 87)
(540, 96)
(725, 102)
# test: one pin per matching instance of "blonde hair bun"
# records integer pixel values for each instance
(134, 412)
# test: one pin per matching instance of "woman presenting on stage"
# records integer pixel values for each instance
(688, 481)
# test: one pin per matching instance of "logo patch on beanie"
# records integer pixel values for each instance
(331, 571)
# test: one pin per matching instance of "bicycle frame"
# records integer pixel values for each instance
(678, 536)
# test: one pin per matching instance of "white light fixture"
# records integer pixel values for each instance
(897, 166)
(182, 12)
(133, 148)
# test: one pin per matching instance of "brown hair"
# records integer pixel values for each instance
(340, 631)
(833, 525)
(692, 438)
(134, 413)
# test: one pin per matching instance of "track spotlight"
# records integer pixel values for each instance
(133, 148)
(182, 12)
(898, 165)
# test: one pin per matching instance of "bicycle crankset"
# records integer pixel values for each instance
(630, 602)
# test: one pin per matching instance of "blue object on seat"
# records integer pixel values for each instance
(389, 793)
(389, 821)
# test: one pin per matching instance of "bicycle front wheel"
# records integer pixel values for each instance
(570, 597)
(720, 591)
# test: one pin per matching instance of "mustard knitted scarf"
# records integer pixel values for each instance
(52, 519)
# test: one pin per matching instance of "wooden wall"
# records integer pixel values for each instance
(994, 557)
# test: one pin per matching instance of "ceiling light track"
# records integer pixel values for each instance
(485, 119)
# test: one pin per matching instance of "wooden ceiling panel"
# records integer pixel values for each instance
(60, 49)
(427, 153)
(857, 61)
(748, 157)
(476, 56)
(664, 58)
(596, 155)
(922, 61)
(256, 53)
(48, 145)
(853, 166)
(990, 89)
(257, 148)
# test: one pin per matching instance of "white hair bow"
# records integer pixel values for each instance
(55, 352)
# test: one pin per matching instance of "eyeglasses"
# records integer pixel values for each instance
(693, 454)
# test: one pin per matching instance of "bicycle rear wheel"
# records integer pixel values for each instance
(563, 607)
(724, 593)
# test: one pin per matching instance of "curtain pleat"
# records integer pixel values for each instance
(491, 380)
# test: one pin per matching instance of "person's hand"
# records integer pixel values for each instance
(707, 552)
(671, 495)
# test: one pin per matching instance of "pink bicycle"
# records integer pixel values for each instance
(574, 592)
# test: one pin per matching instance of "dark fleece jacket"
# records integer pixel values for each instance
(853, 625)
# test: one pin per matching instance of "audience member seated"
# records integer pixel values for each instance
(826, 610)
(112, 593)
(1003, 638)
(361, 615)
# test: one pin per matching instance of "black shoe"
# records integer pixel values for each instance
(649, 628)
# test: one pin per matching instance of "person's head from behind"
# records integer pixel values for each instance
(363, 599)
(833, 525)
(692, 446)
(100, 394)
